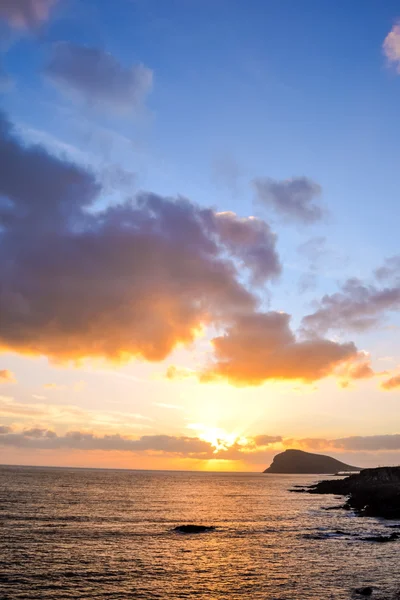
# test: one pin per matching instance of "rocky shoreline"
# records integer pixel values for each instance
(371, 493)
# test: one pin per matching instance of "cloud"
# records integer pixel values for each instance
(392, 383)
(296, 199)
(25, 14)
(96, 78)
(7, 376)
(70, 415)
(134, 279)
(369, 443)
(391, 47)
(313, 249)
(261, 346)
(266, 440)
(137, 279)
(183, 446)
(252, 242)
(389, 270)
(255, 450)
(168, 406)
(357, 306)
(38, 438)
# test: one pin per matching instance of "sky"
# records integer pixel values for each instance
(199, 245)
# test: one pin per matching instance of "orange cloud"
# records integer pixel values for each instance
(392, 383)
(134, 280)
(7, 376)
(261, 346)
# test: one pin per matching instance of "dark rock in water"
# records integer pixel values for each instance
(381, 539)
(194, 528)
(364, 591)
(371, 493)
(297, 461)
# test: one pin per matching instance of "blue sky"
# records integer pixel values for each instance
(223, 93)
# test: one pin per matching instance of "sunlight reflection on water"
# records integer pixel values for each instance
(69, 533)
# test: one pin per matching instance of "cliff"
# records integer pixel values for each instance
(297, 461)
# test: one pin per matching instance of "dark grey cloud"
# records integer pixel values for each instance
(96, 78)
(296, 199)
(134, 279)
(25, 14)
(358, 306)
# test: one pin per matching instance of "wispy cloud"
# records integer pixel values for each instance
(97, 78)
(67, 415)
(168, 406)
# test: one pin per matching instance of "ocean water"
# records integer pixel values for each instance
(104, 534)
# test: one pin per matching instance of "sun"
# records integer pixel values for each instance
(219, 438)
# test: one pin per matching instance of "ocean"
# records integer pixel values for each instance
(108, 534)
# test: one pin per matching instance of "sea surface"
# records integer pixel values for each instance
(108, 534)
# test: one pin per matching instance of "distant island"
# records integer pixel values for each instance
(298, 461)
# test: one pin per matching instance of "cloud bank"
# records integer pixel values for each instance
(254, 450)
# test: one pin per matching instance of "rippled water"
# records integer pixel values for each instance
(68, 533)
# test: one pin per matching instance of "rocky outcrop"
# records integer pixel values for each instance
(297, 461)
(372, 492)
(194, 528)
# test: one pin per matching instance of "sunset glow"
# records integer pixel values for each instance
(199, 268)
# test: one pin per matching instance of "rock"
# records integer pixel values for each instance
(194, 528)
(381, 539)
(364, 591)
(371, 493)
(297, 461)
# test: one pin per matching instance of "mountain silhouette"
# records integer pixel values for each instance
(298, 461)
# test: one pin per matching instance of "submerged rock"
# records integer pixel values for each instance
(381, 539)
(194, 528)
(364, 591)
